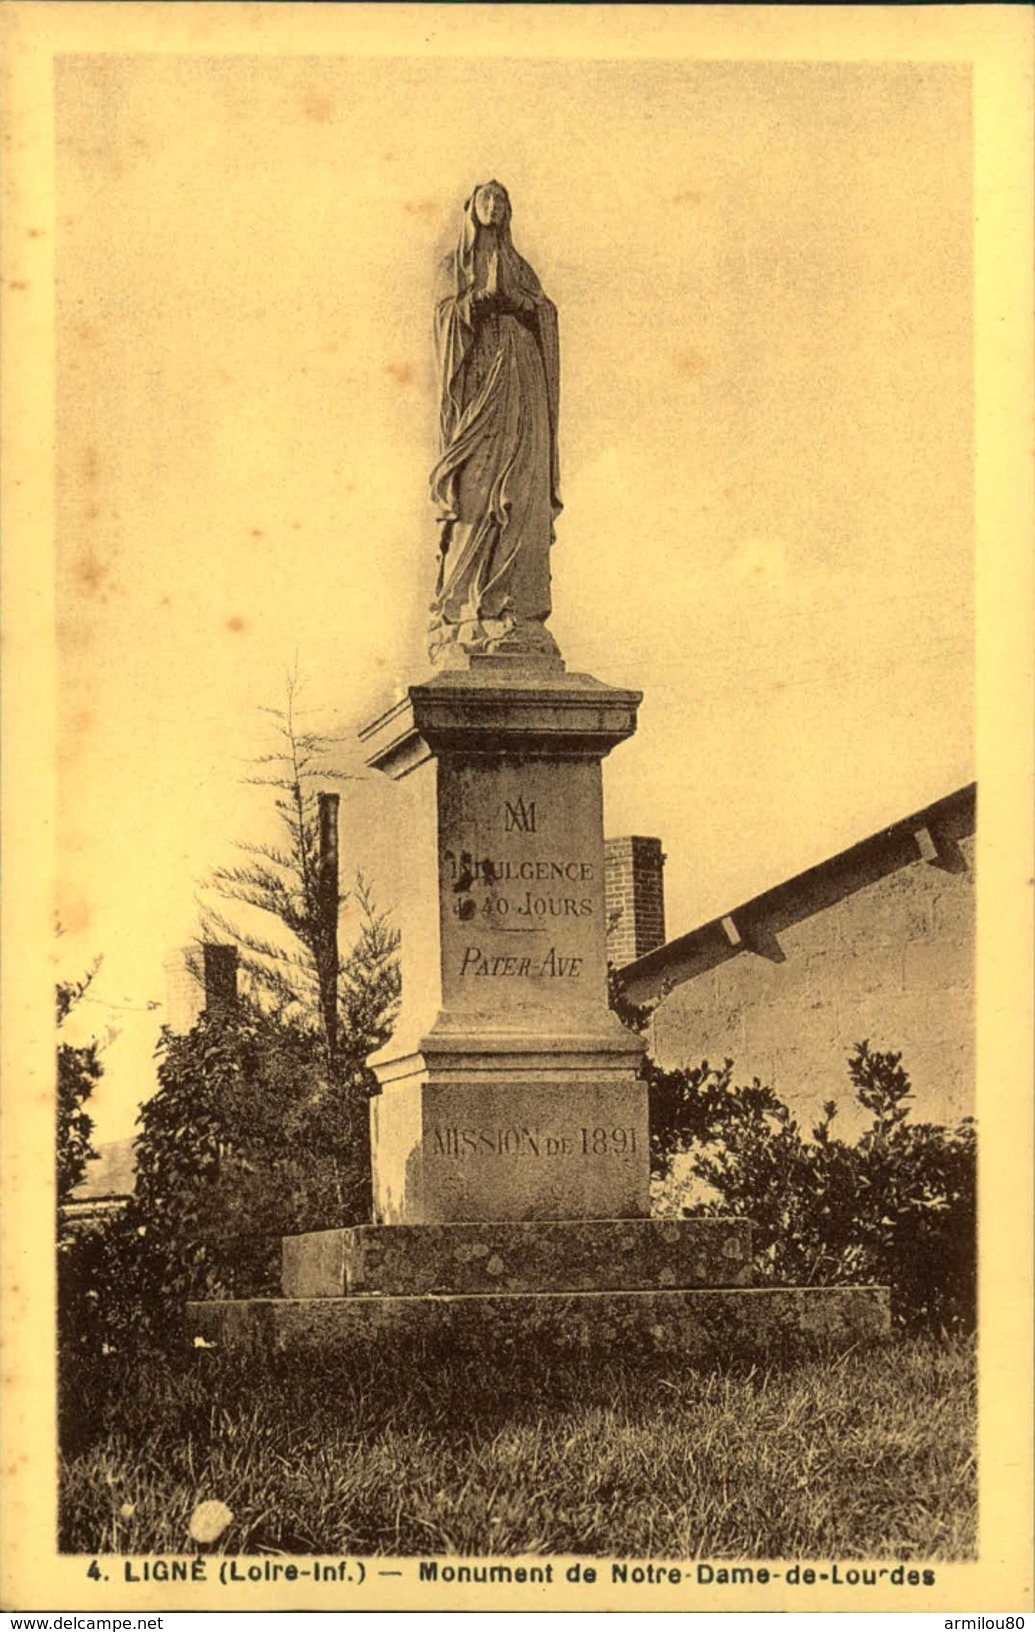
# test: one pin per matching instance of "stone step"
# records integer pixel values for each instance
(586, 1255)
(701, 1325)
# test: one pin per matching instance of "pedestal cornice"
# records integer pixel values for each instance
(481, 1056)
(489, 714)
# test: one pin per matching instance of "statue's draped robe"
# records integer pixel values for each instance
(496, 483)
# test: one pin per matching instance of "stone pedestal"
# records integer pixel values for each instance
(511, 1161)
(509, 1090)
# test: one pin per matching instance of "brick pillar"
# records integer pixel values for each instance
(197, 978)
(634, 896)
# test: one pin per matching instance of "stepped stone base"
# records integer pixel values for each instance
(693, 1325)
(546, 1287)
(614, 1255)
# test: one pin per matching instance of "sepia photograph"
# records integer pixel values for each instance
(518, 654)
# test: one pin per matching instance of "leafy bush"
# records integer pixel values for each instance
(897, 1207)
(82, 1248)
(102, 1301)
(248, 1138)
(79, 1069)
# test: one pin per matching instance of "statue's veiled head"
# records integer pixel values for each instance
(491, 204)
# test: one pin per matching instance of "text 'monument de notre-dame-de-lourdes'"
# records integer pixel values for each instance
(509, 1137)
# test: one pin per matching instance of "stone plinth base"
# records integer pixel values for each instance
(618, 1255)
(648, 1286)
(688, 1325)
(510, 1149)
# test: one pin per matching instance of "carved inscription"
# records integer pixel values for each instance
(467, 869)
(465, 1144)
(477, 962)
(467, 872)
(515, 892)
(519, 817)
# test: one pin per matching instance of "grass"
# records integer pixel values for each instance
(868, 1454)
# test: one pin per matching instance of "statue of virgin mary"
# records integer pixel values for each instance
(496, 482)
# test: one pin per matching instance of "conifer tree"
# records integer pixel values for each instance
(289, 952)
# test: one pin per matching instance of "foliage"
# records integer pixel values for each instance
(867, 1454)
(318, 1014)
(247, 1139)
(897, 1207)
(301, 975)
(91, 1288)
(368, 989)
(102, 1302)
(79, 1069)
(259, 1126)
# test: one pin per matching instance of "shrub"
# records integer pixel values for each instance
(79, 1070)
(247, 1139)
(101, 1289)
(897, 1207)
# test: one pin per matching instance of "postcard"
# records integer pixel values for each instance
(518, 787)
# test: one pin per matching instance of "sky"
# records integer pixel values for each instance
(763, 272)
